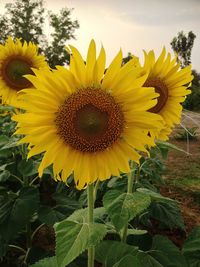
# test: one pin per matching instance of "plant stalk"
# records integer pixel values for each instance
(90, 193)
(131, 182)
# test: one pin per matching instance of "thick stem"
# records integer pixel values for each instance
(90, 193)
(131, 177)
(131, 182)
(96, 187)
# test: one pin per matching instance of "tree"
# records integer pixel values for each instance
(63, 30)
(182, 46)
(25, 19)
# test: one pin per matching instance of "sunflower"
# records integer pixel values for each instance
(16, 60)
(171, 83)
(88, 121)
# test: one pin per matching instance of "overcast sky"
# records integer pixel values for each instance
(133, 25)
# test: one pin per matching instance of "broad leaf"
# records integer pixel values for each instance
(166, 253)
(47, 262)
(136, 232)
(16, 211)
(12, 142)
(191, 248)
(4, 175)
(49, 215)
(26, 204)
(123, 207)
(81, 215)
(113, 253)
(154, 196)
(128, 261)
(64, 204)
(148, 261)
(27, 167)
(4, 140)
(72, 238)
(168, 214)
(165, 145)
(3, 247)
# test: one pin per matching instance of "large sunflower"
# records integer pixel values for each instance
(16, 60)
(171, 83)
(88, 122)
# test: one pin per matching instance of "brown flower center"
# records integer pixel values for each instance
(13, 70)
(160, 88)
(90, 120)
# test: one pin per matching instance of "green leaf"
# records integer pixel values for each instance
(148, 261)
(47, 262)
(13, 142)
(113, 253)
(136, 232)
(49, 215)
(27, 167)
(166, 145)
(64, 204)
(168, 214)
(191, 248)
(72, 238)
(154, 196)
(81, 215)
(143, 242)
(123, 207)
(4, 140)
(3, 247)
(4, 176)
(3, 167)
(4, 154)
(16, 211)
(166, 253)
(26, 204)
(6, 205)
(128, 261)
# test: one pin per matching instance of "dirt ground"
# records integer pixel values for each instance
(183, 172)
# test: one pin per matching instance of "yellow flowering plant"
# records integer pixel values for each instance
(90, 123)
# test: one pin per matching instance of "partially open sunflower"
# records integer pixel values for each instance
(16, 60)
(171, 83)
(88, 121)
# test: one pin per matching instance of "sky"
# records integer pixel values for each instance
(132, 25)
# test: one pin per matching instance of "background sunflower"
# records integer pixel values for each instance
(171, 82)
(17, 60)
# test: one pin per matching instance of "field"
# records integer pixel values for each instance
(182, 173)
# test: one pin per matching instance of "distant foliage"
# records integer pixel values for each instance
(193, 100)
(25, 19)
(187, 134)
(182, 46)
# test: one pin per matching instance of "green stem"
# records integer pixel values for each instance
(131, 177)
(17, 247)
(96, 189)
(36, 230)
(34, 179)
(90, 193)
(17, 178)
(26, 181)
(131, 182)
